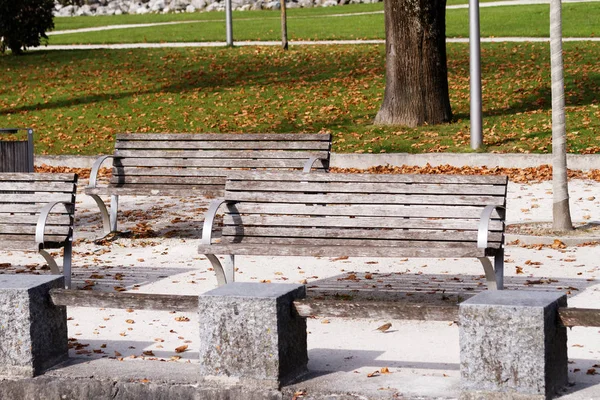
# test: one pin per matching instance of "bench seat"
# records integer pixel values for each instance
(358, 215)
(188, 164)
(37, 214)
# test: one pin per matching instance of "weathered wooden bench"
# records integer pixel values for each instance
(182, 164)
(362, 215)
(37, 213)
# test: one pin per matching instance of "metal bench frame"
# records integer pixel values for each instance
(109, 215)
(225, 268)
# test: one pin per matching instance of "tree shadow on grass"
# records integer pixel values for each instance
(232, 72)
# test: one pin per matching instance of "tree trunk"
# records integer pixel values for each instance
(284, 36)
(561, 213)
(416, 89)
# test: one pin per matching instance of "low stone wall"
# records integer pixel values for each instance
(119, 7)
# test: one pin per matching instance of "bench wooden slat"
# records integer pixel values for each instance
(30, 229)
(27, 242)
(363, 198)
(225, 137)
(37, 197)
(222, 145)
(398, 210)
(366, 188)
(170, 171)
(213, 163)
(369, 178)
(39, 186)
(169, 180)
(364, 222)
(221, 154)
(233, 234)
(29, 219)
(37, 177)
(333, 251)
(376, 242)
(159, 190)
(22, 209)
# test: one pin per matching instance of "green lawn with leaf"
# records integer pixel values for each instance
(78, 100)
(323, 23)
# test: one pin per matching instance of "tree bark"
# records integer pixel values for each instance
(416, 89)
(561, 213)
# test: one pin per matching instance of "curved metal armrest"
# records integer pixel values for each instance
(96, 168)
(41, 224)
(209, 219)
(310, 162)
(484, 223)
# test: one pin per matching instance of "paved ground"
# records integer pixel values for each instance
(423, 357)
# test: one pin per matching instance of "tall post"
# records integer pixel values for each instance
(475, 62)
(561, 213)
(228, 23)
(284, 37)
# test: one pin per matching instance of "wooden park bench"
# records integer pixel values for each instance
(187, 164)
(37, 214)
(361, 215)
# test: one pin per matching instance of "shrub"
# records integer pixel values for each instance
(23, 23)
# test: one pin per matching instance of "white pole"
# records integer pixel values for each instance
(228, 23)
(475, 62)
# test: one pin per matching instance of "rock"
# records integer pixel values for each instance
(119, 7)
(199, 4)
(257, 5)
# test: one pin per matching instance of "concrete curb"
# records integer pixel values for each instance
(362, 161)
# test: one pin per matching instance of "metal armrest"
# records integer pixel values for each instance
(484, 223)
(96, 168)
(209, 219)
(41, 223)
(310, 162)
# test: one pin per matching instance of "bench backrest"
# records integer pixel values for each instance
(22, 197)
(361, 210)
(204, 159)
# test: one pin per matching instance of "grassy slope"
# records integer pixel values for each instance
(579, 20)
(77, 100)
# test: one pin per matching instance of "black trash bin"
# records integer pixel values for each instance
(16, 154)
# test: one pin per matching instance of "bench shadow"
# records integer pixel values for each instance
(87, 350)
(434, 289)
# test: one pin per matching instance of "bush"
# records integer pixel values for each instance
(23, 23)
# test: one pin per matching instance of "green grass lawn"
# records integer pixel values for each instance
(78, 100)
(579, 20)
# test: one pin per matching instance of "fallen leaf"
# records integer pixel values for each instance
(181, 349)
(373, 374)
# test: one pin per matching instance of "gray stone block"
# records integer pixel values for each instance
(511, 345)
(251, 334)
(33, 332)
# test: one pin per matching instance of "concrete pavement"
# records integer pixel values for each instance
(134, 350)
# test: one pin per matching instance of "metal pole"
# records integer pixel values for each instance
(475, 61)
(30, 148)
(228, 23)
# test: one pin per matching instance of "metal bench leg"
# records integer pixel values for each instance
(50, 261)
(68, 252)
(224, 273)
(499, 268)
(490, 274)
(103, 212)
(114, 209)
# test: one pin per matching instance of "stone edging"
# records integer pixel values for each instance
(363, 161)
